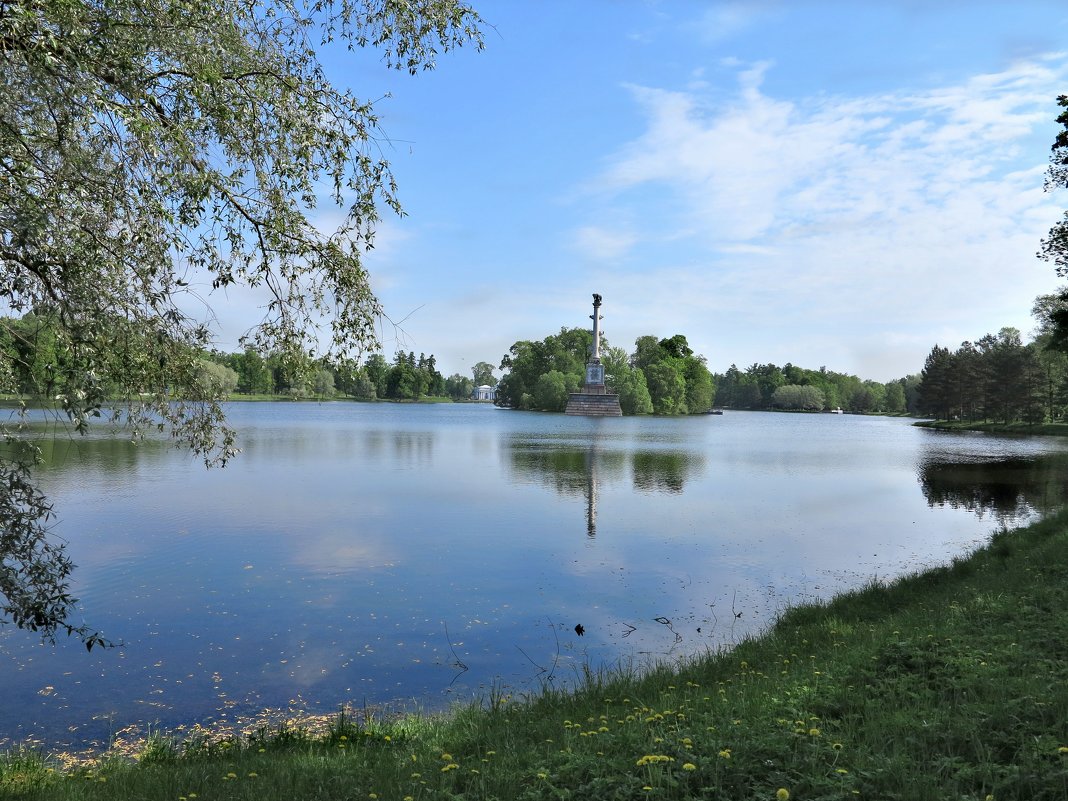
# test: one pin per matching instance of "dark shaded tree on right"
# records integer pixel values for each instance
(1055, 245)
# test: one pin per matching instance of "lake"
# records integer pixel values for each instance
(387, 554)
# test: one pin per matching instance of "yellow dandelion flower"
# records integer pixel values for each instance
(1063, 749)
(447, 757)
(725, 753)
(253, 775)
(689, 766)
(372, 795)
(543, 775)
(647, 788)
(408, 798)
(782, 794)
(450, 766)
(813, 732)
(841, 770)
(231, 775)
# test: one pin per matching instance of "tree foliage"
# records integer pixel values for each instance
(768, 386)
(149, 152)
(661, 376)
(1054, 247)
(997, 378)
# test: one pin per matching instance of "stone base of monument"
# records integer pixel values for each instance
(593, 405)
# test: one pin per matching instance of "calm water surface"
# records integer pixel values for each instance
(375, 553)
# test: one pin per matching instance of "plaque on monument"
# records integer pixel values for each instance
(594, 373)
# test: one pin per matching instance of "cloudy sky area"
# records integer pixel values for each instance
(824, 183)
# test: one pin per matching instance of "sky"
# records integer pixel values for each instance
(833, 183)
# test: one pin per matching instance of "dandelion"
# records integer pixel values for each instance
(689, 766)
(450, 766)
(842, 771)
(372, 796)
(725, 753)
(408, 798)
(253, 775)
(813, 732)
(782, 794)
(652, 759)
(231, 775)
(543, 775)
(1063, 749)
(647, 788)
(447, 757)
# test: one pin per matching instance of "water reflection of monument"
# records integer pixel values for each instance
(591, 490)
(594, 400)
(582, 469)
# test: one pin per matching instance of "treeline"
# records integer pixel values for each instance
(996, 378)
(792, 388)
(31, 364)
(661, 376)
(407, 377)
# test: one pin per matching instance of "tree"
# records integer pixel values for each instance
(147, 149)
(935, 395)
(527, 361)
(459, 387)
(1054, 247)
(551, 391)
(482, 374)
(667, 388)
(322, 383)
(215, 380)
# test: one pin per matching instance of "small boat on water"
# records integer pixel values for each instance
(714, 411)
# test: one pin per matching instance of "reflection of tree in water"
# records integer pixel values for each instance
(663, 471)
(579, 471)
(567, 470)
(1009, 488)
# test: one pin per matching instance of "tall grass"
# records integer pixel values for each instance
(949, 684)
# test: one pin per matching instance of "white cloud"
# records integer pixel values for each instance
(869, 214)
(603, 244)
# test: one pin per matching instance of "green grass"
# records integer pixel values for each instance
(949, 684)
(1045, 429)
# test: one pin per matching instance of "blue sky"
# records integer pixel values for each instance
(836, 184)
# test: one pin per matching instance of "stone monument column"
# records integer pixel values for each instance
(594, 400)
(594, 368)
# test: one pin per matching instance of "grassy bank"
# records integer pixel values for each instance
(951, 684)
(1044, 429)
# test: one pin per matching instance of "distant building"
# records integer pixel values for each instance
(484, 393)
